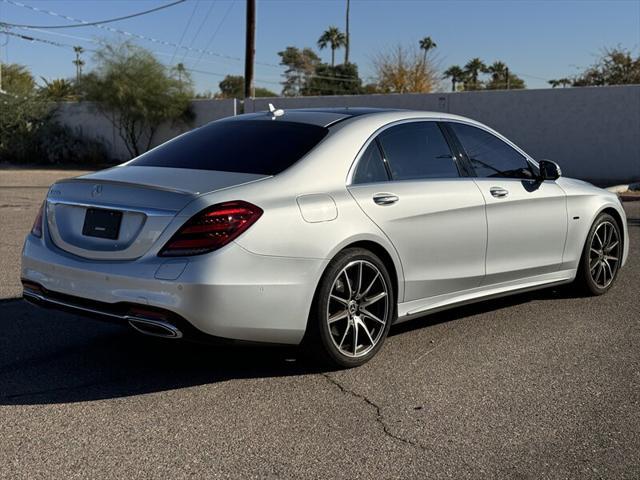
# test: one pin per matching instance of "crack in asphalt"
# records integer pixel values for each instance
(379, 416)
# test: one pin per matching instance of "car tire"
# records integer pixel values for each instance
(352, 311)
(601, 256)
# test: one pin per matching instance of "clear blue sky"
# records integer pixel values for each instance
(539, 40)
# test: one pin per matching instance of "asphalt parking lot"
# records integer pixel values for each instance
(539, 385)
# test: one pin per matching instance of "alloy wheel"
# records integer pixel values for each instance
(357, 309)
(604, 254)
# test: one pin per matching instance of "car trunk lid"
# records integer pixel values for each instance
(119, 213)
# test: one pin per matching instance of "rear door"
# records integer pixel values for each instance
(410, 184)
(526, 218)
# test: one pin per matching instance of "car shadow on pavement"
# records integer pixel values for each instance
(50, 357)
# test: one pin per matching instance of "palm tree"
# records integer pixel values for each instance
(78, 62)
(427, 44)
(456, 74)
(333, 38)
(499, 74)
(473, 69)
(561, 82)
(58, 89)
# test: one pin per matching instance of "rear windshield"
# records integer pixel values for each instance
(252, 146)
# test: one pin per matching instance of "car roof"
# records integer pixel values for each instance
(326, 117)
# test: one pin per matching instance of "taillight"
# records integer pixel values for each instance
(211, 229)
(37, 223)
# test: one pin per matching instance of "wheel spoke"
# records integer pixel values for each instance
(609, 234)
(595, 263)
(610, 270)
(371, 300)
(358, 291)
(343, 301)
(346, 275)
(595, 235)
(338, 316)
(355, 337)
(366, 330)
(346, 330)
(598, 272)
(370, 315)
(595, 250)
(611, 246)
(610, 257)
(604, 274)
(364, 294)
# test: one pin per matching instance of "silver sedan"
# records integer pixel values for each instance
(318, 227)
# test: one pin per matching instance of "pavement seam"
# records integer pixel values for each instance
(379, 416)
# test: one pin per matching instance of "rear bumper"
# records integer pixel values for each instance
(231, 294)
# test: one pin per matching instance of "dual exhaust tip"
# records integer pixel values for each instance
(155, 328)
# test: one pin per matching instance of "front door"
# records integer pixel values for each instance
(526, 218)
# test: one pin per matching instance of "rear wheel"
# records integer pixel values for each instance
(601, 256)
(353, 309)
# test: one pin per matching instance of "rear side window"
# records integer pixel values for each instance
(250, 146)
(417, 150)
(371, 167)
(490, 156)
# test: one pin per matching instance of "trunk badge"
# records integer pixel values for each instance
(97, 190)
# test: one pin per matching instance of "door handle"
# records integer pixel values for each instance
(385, 198)
(499, 192)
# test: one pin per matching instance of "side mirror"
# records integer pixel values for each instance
(549, 170)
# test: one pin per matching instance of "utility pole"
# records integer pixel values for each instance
(78, 63)
(508, 82)
(250, 49)
(346, 47)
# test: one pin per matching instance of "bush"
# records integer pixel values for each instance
(37, 138)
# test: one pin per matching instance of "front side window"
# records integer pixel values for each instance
(248, 146)
(490, 156)
(371, 167)
(417, 150)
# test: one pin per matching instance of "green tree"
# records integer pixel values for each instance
(427, 44)
(614, 67)
(137, 94)
(560, 82)
(301, 66)
(58, 89)
(472, 70)
(338, 80)
(456, 74)
(233, 87)
(334, 39)
(502, 78)
(17, 80)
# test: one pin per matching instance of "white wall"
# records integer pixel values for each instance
(593, 132)
(84, 117)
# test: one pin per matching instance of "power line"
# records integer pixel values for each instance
(83, 23)
(200, 51)
(129, 34)
(215, 32)
(206, 17)
(70, 46)
(184, 32)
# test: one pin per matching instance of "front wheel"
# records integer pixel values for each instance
(353, 309)
(601, 256)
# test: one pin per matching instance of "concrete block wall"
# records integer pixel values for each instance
(84, 117)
